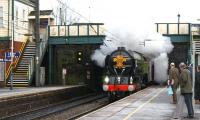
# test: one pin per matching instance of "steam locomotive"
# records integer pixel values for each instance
(124, 74)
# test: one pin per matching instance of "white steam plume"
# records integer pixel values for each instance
(161, 67)
(151, 44)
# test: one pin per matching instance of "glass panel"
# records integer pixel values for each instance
(62, 31)
(73, 30)
(195, 30)
(83, 30)
(183, 28)
(53, 30)
(101, 30)
(162, 28)
(173, 28)
(92, 29)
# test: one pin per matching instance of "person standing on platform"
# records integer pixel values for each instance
(173, 80)
(186, 88)
(197, 86)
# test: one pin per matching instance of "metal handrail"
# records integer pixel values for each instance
(43, 45)
(30, 69)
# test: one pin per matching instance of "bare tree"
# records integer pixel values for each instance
(64, 15)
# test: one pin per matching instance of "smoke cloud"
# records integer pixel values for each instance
(161, 67)
(140, 39)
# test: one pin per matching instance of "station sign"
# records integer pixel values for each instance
(15, 54)
(5, 60)
(8, 56)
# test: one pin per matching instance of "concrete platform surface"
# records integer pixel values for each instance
(152, 103)
(23, 91)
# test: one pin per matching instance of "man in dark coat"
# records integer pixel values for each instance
(173, 80)
(186, 88)
(197, 86)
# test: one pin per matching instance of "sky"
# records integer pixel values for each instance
(126, 11)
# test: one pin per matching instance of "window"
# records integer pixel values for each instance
(162, 28)
(1, 16)
(183, 28)
(16, 14)
(173, 28)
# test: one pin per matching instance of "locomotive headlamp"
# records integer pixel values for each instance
(105, 87)
(118, 79)
(131, 88)
(131, 80)
(106, 80)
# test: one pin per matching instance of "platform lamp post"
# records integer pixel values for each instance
(37, 36)
(193, 61)
(12, 47)
(178, 21)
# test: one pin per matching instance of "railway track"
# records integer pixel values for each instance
(69, 109)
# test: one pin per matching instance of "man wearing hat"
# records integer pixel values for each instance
(173, 80)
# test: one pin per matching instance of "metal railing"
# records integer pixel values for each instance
(42, 48)
(43, 45)
(31, 67)
(90, 29)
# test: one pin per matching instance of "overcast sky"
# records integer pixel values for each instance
(108, 11)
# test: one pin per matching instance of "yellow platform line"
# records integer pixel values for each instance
(141, 106)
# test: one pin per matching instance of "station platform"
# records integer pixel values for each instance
(152, 103)
(6, 93)
(20, 100)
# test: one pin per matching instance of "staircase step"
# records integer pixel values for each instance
(21, 71)
(20, 76)
(22, 84)
(22, 68)
(18, 85)
(22, 64)
(19, 80)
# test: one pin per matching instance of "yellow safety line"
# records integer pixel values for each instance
(130, 114)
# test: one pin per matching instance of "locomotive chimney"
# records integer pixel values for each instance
(121, 48)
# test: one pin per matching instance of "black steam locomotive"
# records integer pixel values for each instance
(124, 75)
